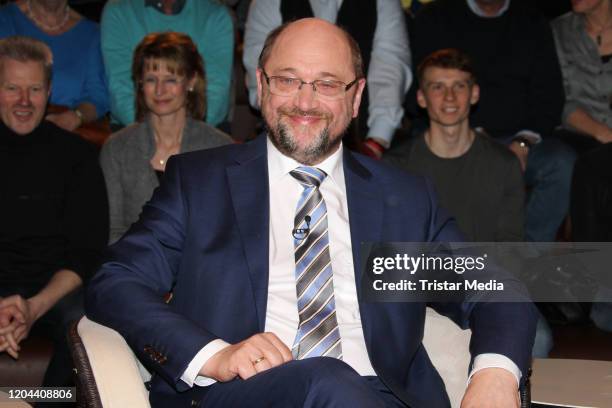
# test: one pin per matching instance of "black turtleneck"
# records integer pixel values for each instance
(53, 206)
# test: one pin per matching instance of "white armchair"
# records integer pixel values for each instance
(109, 374)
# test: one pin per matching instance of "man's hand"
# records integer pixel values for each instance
(245, 359)
(492, 388)
(67, 120)
(605, 136)
(521, 151)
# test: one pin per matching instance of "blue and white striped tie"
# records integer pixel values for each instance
(318, 333)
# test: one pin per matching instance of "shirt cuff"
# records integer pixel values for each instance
(493, 360)
(383, 131)
(530, 135)
(191, 375)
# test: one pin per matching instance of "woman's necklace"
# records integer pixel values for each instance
(45, 26)
(169, 151)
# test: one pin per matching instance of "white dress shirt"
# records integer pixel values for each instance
(389, 75)
(281, 311)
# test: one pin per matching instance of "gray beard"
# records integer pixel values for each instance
(314, 154)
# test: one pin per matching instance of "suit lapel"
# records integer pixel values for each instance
(365, 205)
(248, 184)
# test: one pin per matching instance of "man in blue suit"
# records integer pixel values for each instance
(248, 237)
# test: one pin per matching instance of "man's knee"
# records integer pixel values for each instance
(556, 159)
(332, 382)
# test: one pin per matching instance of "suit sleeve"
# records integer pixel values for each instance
(497, 327)
(128, 291)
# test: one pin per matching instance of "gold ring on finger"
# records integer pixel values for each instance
(259, 360)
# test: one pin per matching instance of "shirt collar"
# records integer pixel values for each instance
(478, 11)
(280, 165)
(158, 5)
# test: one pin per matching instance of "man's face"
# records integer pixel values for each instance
(23, 95)
(308, 126)
(447, 94)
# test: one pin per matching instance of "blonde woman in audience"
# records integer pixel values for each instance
(169, 81)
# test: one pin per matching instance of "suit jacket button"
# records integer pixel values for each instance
(194, 403)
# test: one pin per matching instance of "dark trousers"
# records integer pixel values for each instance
(591, 208)
(314, 382)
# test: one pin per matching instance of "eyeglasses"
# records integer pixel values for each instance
(288, 86)
(170, 82)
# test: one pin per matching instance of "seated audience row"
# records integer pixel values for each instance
(517, 102)
(80, 82)
(55, 211)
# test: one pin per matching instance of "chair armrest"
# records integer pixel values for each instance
(118, 374)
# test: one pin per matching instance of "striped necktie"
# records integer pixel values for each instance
(317, 333)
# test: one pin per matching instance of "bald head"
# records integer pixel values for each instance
(312, 35)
